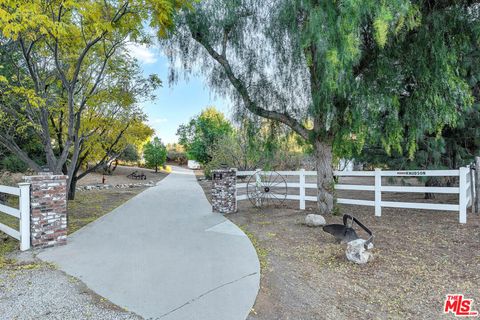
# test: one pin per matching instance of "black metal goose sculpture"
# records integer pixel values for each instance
(345, 232)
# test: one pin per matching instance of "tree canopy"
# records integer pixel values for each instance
(67, 77)
(201, 133)
(155, 154)
(331, 70)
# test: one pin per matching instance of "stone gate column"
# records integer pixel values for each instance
(224, 190)
(48, 209)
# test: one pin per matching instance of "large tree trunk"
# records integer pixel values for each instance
(431, 182)
(325, 182)
(115, 166)
(73, 188)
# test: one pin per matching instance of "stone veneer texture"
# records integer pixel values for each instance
(48, 205)
(224, 191)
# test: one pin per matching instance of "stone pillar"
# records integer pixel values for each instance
(48, 205)
(224, 190)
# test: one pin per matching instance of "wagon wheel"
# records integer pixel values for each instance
(266, 188)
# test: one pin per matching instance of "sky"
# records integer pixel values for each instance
(175, 104)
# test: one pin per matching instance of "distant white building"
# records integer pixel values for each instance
(345, 165)
(192, 164)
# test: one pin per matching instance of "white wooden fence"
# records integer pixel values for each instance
(464, 190)
(22, 213)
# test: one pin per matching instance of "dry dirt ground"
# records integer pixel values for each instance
(119, 176)
(419, 257)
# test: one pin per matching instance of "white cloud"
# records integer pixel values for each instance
(142, 53)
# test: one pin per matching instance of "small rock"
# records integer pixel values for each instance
(314, 220)
(357, 253)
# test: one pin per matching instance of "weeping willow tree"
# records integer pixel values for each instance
(330, 70)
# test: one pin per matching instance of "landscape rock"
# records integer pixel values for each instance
(314, 220)
(357, 253)
(118, 186)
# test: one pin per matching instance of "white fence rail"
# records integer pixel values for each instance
(22, 213)
(464, 190)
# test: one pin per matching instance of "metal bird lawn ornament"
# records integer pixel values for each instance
(345, 232)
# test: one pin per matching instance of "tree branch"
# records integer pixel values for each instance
(7, 141)
(107, 153)
(242, 90)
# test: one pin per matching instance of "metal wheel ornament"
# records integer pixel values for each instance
(266, 188)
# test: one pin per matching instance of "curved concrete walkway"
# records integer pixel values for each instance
(165, 255)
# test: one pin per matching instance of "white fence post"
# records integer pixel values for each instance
(258, 184)
(462, 196)
(24, 206)
(477, 185)
(302, 189)
(378, 192)
(471, 196)
(378, 189)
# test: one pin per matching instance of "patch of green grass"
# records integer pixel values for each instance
(88, 206)
(264, 223)
(12, 222)
(262, 253)
(7, 243)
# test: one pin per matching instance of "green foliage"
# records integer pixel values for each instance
(68, 77)
(253, 145)
(201, 133)
(31, 145)
(388, 71)
(155, 154)
(454, 148)
(176, 153)
(13, 164)
(177, 157)
(129, 154)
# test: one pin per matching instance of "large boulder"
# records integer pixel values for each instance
(357, 253)
(314, 220)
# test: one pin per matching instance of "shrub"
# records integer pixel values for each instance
(13, 164)
(177, 157)
(155, 154)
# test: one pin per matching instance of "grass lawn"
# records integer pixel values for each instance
(7, 243)
(88, 206)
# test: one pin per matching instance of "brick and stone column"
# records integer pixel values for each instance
(224, 190)
(48, 205)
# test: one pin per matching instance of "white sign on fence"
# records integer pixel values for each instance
(463, 190)
(22, 213)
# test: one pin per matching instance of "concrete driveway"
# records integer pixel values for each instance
(165, 255)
